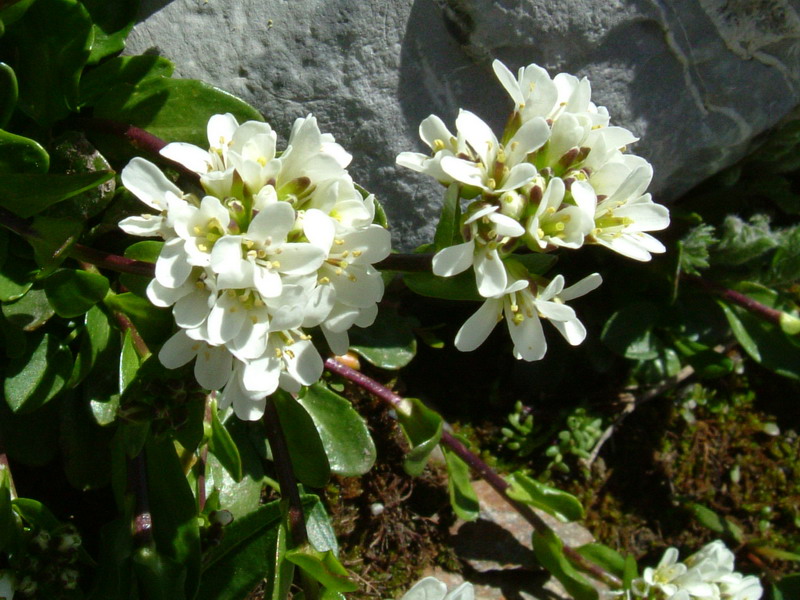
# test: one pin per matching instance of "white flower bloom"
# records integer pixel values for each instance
(493, 167)
(556, 223)
(738, 587)
(623, 217)
(146, 181)
(486, 231)
(442, 142)
(523, 307)
(431, 588)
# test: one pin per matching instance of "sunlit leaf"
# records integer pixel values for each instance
(307, 453)
(19, 154)
(345, 437)
(389, 343)
(423, 429)
(112, 20)
(27, 194)
(549, 551)
(558, 503)
(463, 498)
(323, 567)
(122, 69)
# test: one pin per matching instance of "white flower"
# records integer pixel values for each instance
(486, 230)
(431, 588)
(523, 306)
(435, 134)
(622, 218)
(491, 166)
(556, 223)
(738, 587)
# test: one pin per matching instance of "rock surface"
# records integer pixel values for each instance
(497, 547)
(697, 80)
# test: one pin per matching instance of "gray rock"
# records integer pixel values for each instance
(696, 80)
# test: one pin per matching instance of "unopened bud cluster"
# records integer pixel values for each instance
(46, 569)
(275, 244)
(558, 177)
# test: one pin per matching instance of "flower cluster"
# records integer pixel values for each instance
(277, 244)
(706, 575)
(558, 177)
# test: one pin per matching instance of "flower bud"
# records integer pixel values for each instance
(512, 204)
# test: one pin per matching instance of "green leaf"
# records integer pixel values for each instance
(324, 567)
(53, 42)
(716, 523)
(221, 445)
(172, 109)
(30, 438)
(549, 551)
(112, 20)
(9, 531)
(87, 461)
(630, 571)
(306, 450)
(463, 498)
(344, 435)
(629, 331)
(565, 507)
(122, 69)
(535, 262)
(693, 249)
(776, 553)
(8, 93)
(38, 376)
(146, 251)
(252, 550)
(19, 154)
(154, 324)
(787, 588)
(707, 362)
(447, 230)
(460, 287)
(72, 293)
(159, 577)
(604, 556)
(36, 513)
(94, 340)
(29, 312)
(389, 343)
(321, 534)
(423, 429)
(173, 509)
(52, 241)
(129, 362)
(17, 271)
(742, 242)
(12, 12)
(765, 342)
(27, 194)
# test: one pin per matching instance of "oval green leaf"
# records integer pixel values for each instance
(38, 376)
(344, 434)
(21, 155)
(558, 503)
(423, 429)
(72, 293)
(307, 453)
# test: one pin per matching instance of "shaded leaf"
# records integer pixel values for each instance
(19, 154)
(716, 523)
(460, 287)
(54, 39)
(309, 460)
(29, 312)
(38, 376)
(447, 230)
(72, 293)
(8, 93)
(94, 339)
(159, 577)
(172, 109)
(321, 534)
(122, 69)
(27, 194)
(84, 444)
(629, 331)
(389, 343)
(221, 445)
(112, 20)
(154, 324)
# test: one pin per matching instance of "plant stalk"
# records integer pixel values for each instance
(486, 473)
(757, 308)
(285, 473)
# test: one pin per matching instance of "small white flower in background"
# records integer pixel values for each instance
(557, 177)
(706, 575)
(278, 243)
(7, 586)
(431, 588)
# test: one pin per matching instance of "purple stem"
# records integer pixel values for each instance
(765, 312)
(285, 474)
(137, 483)
(486, 473)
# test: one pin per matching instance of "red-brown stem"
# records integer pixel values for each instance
(285, 474)
(137, 484)
(112, 262)
(202, 461)
(486, 473)
(126, 325)
(765, 312)
(137, 137)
